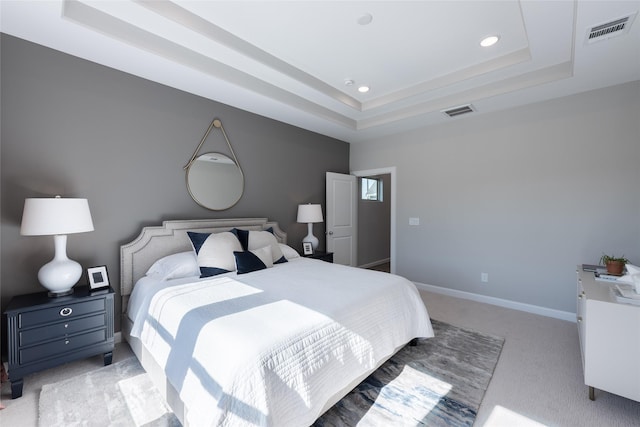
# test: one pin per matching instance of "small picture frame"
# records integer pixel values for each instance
(307, 248)
(98, 277)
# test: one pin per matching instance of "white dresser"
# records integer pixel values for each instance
(609, 334)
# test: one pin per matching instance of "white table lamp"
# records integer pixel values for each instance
(310, 214)
(57, 217)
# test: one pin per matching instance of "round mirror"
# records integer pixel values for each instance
(215, 181)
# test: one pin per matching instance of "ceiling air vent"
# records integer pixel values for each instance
(614, 28)
(457, 111)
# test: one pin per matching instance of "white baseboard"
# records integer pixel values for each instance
(117, 337)
(529, 308)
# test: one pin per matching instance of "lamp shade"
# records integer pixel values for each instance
(54, 216)
(309, 213)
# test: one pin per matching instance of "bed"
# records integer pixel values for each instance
(274, 345)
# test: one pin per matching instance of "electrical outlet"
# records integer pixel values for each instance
(484, 277)
(414, 221)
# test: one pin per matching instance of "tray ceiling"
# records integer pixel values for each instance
(302, 62)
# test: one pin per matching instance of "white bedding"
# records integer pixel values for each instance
(273, 346)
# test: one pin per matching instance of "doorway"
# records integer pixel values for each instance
(374, 222)
(390, 174)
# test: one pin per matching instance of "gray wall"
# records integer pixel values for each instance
(374, 225)
(78, 129)
(524, 195)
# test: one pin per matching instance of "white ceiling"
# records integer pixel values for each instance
(289, 60)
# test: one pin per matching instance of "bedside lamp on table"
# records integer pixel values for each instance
(310, 214)
(57, 217)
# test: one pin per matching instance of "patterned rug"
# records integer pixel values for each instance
(439, 382)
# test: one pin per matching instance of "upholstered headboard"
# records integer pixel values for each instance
(171, 237)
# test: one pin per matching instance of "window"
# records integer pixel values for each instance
(371, 189)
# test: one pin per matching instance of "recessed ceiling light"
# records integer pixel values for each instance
(363, 89)
(489, 41)
(365, 19)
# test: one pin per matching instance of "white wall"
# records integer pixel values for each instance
(523, 195)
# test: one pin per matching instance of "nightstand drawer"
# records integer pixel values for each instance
(33, 336)
(67, 311)
(62, 345)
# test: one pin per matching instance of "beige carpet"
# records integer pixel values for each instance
(538, 380)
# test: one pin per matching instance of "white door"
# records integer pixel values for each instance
(342, 218)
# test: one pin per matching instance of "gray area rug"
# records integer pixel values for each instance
(439, 382)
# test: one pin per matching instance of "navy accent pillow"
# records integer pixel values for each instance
(247, 261)
(243, 237)
(211, 271)
(214, 252)
(197, 240)
(258, 240)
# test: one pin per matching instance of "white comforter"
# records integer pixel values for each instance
(273, 346)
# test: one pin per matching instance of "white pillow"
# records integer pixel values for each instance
(265, 254)
(182, 264)
(260, 239)
(288, 251)
(214, 252)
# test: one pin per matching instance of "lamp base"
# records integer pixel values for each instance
(52, 294)
(61, 273)
(310, 238)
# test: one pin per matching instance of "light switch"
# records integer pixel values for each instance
(414, 221)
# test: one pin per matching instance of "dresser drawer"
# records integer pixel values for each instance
(61, 346)
(60, 329)
(62, 312)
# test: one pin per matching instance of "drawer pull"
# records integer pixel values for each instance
(579, 297)
(579, 318)
(66, 341)
(66, 311)
(66, 325)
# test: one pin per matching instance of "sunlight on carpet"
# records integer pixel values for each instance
(503, 417)
(120, 395)
(410, 382)
(142, 407)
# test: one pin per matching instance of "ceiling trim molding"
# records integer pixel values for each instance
(195, 23)
(513, 58)
(116, 28)
(545, 75)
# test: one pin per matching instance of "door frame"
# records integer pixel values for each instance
(391, 170)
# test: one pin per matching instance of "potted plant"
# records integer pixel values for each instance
(615, 265)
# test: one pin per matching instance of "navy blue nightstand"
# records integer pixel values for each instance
(44, 332)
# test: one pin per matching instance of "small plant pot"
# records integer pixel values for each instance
(615, 267)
